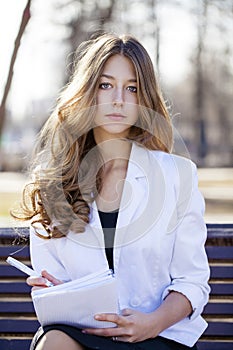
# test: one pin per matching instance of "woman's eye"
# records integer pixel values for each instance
(104, 86)
(132, 89)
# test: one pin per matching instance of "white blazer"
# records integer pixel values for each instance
(159, 241)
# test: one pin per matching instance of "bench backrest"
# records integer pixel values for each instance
(18, 322)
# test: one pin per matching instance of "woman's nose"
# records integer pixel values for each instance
(118, 97)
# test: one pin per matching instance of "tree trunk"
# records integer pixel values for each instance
(25, 18)
(201, 127)
(156, 33)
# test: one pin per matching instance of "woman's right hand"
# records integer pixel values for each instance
(40, 282)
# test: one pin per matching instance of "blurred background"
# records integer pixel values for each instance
(190, 43)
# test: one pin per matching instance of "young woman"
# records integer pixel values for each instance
(108, 193)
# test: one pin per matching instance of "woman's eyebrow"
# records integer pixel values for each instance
(133, 80)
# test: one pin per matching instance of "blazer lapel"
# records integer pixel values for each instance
(142, 199)
(133, 196)
(134, 190)
(95, 225)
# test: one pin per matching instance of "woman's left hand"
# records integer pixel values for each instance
(131, 326)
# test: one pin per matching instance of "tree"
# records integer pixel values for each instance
(85, 17)
(25, 19)
(199, 93)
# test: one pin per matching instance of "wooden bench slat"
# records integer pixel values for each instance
(17, 344)
(216, 345)
(221, 272)
(15, 326)
(22, 288)
(16, 307)
(219, 329)
(218, 308)
(10, 271)
(17, 251)
(27, 307)
(14, 233)
(217, 272)
(217, 253)
(220, 227)
(221, 288)
(213, 252)
(14, 288)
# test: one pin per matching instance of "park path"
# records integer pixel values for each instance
(216, 185)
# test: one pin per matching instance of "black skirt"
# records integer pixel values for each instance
(103, 343)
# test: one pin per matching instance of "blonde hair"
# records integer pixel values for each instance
(61, 191)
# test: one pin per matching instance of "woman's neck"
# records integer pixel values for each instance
(113, 149)
(115, 152)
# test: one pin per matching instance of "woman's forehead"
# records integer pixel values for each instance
(118, 65)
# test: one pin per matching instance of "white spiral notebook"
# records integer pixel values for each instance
(75, 303)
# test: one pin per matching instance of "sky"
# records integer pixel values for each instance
(41, 53)
(35, 76)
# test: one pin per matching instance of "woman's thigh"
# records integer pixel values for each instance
(57, 340)
(72, 338)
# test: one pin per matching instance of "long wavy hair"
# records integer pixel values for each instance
(67, 167)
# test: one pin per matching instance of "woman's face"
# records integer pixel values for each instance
(117, 108)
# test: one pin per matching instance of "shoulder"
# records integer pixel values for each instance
(176, 170)
(167, 162)
(171, 162)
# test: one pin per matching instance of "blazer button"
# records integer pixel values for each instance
(147, 304)
(135, 302)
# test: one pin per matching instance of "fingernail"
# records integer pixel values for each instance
(97, 317)
(83, 331)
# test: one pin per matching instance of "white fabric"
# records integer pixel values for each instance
(159, 241)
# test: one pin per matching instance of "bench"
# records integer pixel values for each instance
(18, 322)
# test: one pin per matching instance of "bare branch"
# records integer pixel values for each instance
(25, 18)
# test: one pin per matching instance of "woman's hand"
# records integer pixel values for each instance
(40, 282)
(134, 326)
(131, 326)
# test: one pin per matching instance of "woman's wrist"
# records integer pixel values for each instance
(157, 322)
(173, 309)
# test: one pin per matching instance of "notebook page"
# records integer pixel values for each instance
(94, 278)
(78, 307)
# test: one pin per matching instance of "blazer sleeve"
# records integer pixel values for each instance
(44, 256)
(189, 269)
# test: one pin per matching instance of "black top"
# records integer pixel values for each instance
(108, 221)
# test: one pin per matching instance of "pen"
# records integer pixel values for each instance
(24, 268)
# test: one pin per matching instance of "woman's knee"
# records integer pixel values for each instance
(57, 340)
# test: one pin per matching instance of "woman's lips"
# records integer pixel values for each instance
(116, 116)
